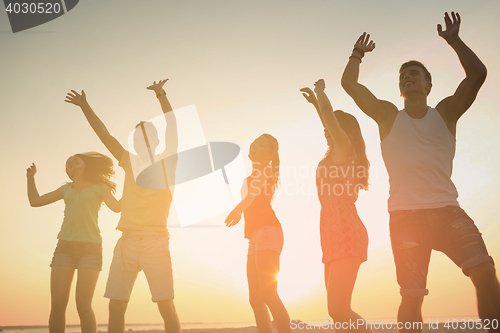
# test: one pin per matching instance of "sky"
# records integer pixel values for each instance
(241, 63)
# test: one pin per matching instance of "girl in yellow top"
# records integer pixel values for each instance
(80, 242)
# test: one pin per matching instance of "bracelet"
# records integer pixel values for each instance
(360, 51)
(356, 57)
(158, 94)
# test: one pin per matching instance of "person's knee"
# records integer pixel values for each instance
(167, 308)
(483, 275)
(58, 304)
(117, 308)
(256, 301)
(83, 306)
(271, 298)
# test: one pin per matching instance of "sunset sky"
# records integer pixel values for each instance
(241, 63)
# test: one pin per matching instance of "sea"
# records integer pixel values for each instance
(128, 327)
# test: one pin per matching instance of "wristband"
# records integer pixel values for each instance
(159, 93)
(353, 56)
(360, 51)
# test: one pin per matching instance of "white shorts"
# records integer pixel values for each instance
(136, 251)
(266, 238)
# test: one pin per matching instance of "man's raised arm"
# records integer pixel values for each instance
(114, 147)
(475, 72)
(171, 134)
(366, 101)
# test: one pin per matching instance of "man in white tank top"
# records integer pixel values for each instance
(418, 147)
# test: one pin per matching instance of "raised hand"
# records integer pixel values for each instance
(452, 26)
(31, 171)
(157, 87)
(309, 95)
(364, 43)
(75, 98)
(319, 85)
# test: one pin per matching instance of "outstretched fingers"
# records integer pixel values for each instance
(156, 85)
(452, 25)
(364, 43)
(447, 19)
(361, 38)
(74, 97)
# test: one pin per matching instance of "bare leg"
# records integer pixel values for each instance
(60, 286)
(85, 287)
(262, 318)
(340, 278)
(268, 266)
(488, 293)
(410, 311)
(116, 322)
(169, 315)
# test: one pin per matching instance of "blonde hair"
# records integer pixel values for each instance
(98, 168)
(275, 161)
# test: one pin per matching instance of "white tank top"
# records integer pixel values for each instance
(418, 155)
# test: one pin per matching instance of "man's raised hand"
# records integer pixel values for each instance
(157, 87)
(364, 43)
(75, 98)
(452, 26)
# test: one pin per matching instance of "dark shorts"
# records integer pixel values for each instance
(78, 255)
(415, 233)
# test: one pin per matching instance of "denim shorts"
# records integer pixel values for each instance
(141, 251)
(266, 238)
(415, 233)
(78, 255)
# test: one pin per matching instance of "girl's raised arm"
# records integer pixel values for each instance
(34, 198)
(330, 121)
(311, 98)
(110, 201)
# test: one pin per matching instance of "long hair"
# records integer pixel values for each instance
(351, 127)
(275, 162)
(98, 168)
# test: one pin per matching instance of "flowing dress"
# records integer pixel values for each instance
(342, 233)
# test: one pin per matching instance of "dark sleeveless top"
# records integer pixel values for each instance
(260, 213)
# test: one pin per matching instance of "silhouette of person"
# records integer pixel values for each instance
(339, 177)
(264, 233)
(80, 242)
(143, 221)
(418, 147)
